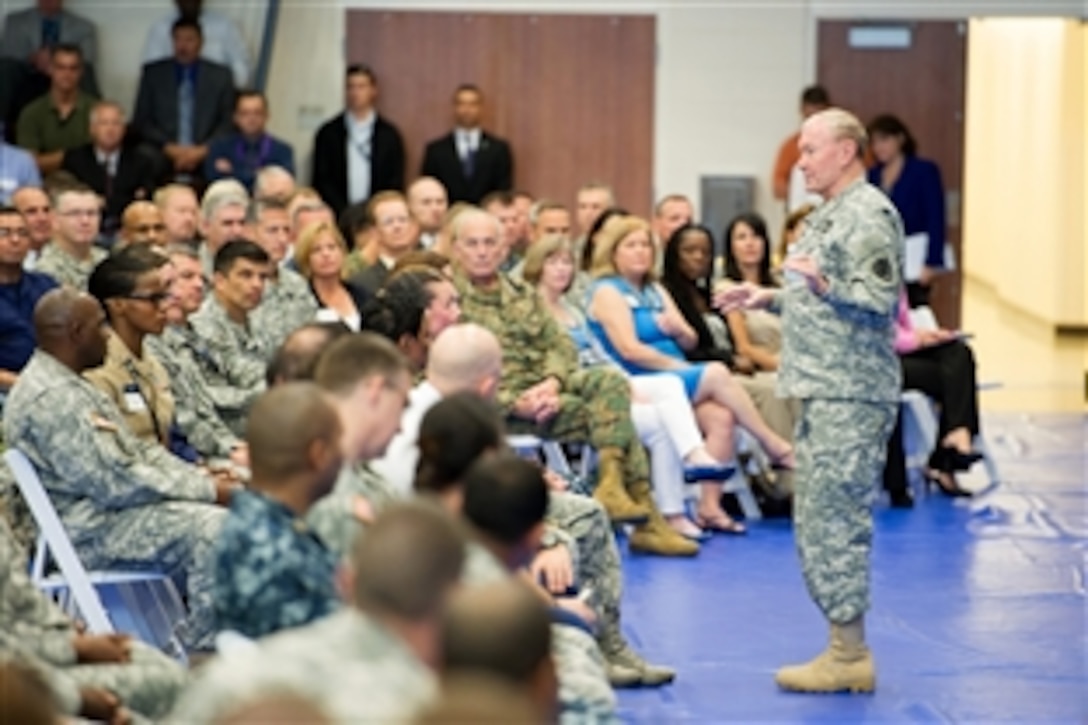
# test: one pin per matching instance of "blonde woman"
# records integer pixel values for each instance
(320, 254)
(660, 408)
(640, 327)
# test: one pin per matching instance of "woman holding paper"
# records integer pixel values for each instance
(914, 186)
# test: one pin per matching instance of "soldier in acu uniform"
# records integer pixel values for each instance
(838, 308)
(288, 303)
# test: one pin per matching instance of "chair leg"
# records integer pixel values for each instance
(987, 459)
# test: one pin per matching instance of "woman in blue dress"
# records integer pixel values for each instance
(640, 326)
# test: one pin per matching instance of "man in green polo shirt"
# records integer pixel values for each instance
(60, 119)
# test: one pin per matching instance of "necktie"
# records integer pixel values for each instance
(107, 173)
(50, 32)
(185, 110)
(468, 163)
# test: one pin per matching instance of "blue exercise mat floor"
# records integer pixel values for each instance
(978, 604)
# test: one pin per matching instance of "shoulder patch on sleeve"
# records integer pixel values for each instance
(882, 268)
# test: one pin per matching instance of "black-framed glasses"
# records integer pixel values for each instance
(155, 298)
(6, 232)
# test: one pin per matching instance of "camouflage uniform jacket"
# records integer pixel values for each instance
(287, 305)
(271, 571)
(534, 346)
(839, 345)
(359, 495)
(88, 460)
(357, 669)
(196, 402)
(65, 268)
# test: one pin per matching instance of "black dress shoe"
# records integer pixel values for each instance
(901, 499)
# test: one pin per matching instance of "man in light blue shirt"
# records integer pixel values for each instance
(17, 169)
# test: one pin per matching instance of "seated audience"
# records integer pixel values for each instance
(184, 102)
(287, 302)
(274, 183)
(272, 572)
(125, 503)
(223, 324)
(223, 41)
(395, 236)
(357, 153)
(17, 170)
(180, 211)
(502, 630)
(756, 334)
(942, 366)
(470, 162)
(90, 675)
(133, 287)
(360, 372)
(118, 174)
(223, 213)
(592, 200)
(373, 661)
(142, 223)
(428, 203)
(20, 291)
(660, 408)
(320, 254)
(410, 310)
(36, 208)
(59, 120)
(242, 153)
(546, 218)
(639, 326)
(71, 255)
(209, 388)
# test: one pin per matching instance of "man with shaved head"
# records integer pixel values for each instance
(374, 661)
(296, 359)
(126, 503)
(428, 202)
(272, 572)
(141, 223)
(502, 629)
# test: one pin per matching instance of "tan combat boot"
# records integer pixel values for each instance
(846, 664)
(625, 667)
(610, 491)
(656, 536)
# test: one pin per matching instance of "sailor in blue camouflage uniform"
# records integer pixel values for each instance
(838, 312)
(272, 571)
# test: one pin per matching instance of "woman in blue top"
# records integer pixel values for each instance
(640, 326)
(914, 186)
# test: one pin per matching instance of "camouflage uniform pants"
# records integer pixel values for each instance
(599, 559)
(148, 684)
(176, 538)
(595, 408)
(840, 447)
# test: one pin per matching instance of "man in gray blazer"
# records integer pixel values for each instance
(30, 34)
(185, 101)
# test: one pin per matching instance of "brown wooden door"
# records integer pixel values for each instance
(573, 94)
(923, 85)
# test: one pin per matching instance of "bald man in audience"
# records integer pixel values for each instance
(180, 213)
(374, 661)
(142, 223)
(502, 630)
(296, 359)
(360, 372)
(578, 545)
(428, 203)
(272, 572)
(125, 503)
(37, 210)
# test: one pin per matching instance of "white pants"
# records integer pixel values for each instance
(666, 425)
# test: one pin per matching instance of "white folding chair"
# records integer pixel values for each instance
(554, 457)
(77, 588)
(920, 426)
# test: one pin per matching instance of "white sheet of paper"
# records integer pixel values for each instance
(914, 256)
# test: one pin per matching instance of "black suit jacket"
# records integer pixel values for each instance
(156, 114)
(330, 174)
(494, 168)
(135, 178)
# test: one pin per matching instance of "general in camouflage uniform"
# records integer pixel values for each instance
(287, 304)
(38, 634)
(65, 268)
(838, 315)
(125, 503)
(272, 572)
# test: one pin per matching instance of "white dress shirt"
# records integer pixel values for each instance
(468, 140)
(398, 465)
(359, 150)
(108, 159)
(223, 43)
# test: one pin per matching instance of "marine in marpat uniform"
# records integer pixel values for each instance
(838, 308)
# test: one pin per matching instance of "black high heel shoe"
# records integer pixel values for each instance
(942, 462)
(959, 461)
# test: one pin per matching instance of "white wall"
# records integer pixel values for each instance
(728, 75)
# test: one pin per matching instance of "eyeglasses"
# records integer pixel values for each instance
(74, 213)
(6, 232)
(155, 298)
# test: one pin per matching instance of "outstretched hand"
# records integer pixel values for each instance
(743, 296)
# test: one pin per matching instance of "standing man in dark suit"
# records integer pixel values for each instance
(357, 153)
(118, 175)
(469, 162)
(184, 102)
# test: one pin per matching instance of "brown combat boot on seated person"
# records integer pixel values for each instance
(612, 494)
(656, 536)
